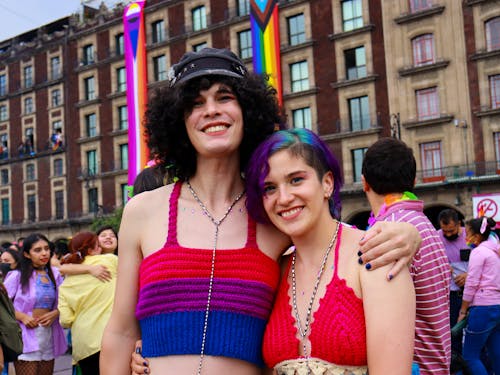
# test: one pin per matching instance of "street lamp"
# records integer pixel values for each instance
(395, 122)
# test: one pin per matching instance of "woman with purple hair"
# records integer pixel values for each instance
(330, 315)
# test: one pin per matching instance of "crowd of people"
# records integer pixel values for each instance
(243, 264)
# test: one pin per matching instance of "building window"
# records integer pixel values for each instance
(493, 34)
(423, 49)
(198, 47)
(5, 211)
(3, 113)
(55, 96)
(296, 29)
(28, 105)
(29, 142)
(91, 125)
(160, 68)
(4, 146)
(124, 191)
(158, 31)
(302, 118)
(496, 139)
(243, 7)
(299, 76)
(357, 162)
(124, 156)
(88, 54)
(4, 176)
(3, 84)
(92, 162)
(119, 45)
(58, 167)
(355, 63)
(121, 81)
(427, 103)
(199, 18)
(432, 163)
(89, 88)
(55, 67)
(352, 15)
(122, 117)
(92, 200)
(31, 207)
(416, 5)
(245, 44)
(495, 91)
(30, 172)
(28, 76)
(359, 113)
(59, 203)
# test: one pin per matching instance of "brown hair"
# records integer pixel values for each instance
(79, 247)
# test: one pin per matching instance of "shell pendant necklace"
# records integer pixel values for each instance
(303, 331)
(217, 224)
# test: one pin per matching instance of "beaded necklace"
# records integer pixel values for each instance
(217, 224)
(307, 323)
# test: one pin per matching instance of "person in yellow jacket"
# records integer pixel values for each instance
(85, 303)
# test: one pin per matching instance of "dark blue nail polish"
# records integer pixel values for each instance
(360, 261)
(359, 253)
(145, 363)
(368, 266)
(138, 350)
(146, 370)
(390, 277)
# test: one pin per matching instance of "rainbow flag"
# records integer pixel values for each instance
(136, 66)
(264, 22)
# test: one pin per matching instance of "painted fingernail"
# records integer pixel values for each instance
(359, 253)
(368, 266)
(138, 350)
(390, 277)
(145, 363)
(360, 261)
(146, 371)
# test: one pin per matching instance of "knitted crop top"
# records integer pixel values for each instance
(173, 292)
(337, 333)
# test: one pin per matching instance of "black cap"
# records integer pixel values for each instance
(208, 61)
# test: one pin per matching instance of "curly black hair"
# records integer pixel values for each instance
(168, 107)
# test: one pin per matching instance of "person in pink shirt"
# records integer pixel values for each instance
(481, 299)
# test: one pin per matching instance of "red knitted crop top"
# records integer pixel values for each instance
(338, 332)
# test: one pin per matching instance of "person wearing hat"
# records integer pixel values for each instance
(197, 276)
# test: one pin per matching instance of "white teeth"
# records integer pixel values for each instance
(290, 212)
(214, 129)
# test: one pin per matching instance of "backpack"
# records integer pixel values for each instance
(10, 333)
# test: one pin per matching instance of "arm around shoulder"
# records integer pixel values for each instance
(390, 321)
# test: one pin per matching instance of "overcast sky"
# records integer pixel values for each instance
(19, 16)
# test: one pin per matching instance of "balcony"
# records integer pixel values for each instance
(424, 68)
(483, 171)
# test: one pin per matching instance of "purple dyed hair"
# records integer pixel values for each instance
(300, 142)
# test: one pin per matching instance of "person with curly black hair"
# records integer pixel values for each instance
(196, 275)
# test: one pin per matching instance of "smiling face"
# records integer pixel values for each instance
(107, 241)
(39, 254)
(215, 124)
(295, 198)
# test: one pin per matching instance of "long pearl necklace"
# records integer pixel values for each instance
(217, 224)
(307, 324)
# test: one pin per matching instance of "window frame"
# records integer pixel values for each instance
(494, 81)
(199, 18)
(302, 118)
(360, 120)
(91, 125)
(31, 207)
(431, 153)
(119, 44)
(357, 70)
(160, 68)
(423, 49)
(58, 167)
(3, 84)
(59, 204)
(121, 79)
(88, 55)
(158, 31)
(242, 7)
(490, 26)
(427, 101)
(356, 19)
(55, 97)
(5, 202)
(28, 105)
(90, 91)
(55, 67)
(122, 117)
(245, 48)
(298, 36)
(28, 76)
(357, 164)
(419, 5)
(300, 83)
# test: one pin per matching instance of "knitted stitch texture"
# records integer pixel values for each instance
(173, 291)
(338, 331)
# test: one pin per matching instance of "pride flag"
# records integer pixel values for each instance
(135, 64)
(264, 23)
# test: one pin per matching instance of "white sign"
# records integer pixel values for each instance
(486, 205)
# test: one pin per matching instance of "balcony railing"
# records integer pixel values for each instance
(460, 173)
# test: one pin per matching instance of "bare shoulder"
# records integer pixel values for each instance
(352, 234)
(271, 241)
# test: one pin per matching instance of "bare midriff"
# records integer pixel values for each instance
(39, 312)
(188, 364)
